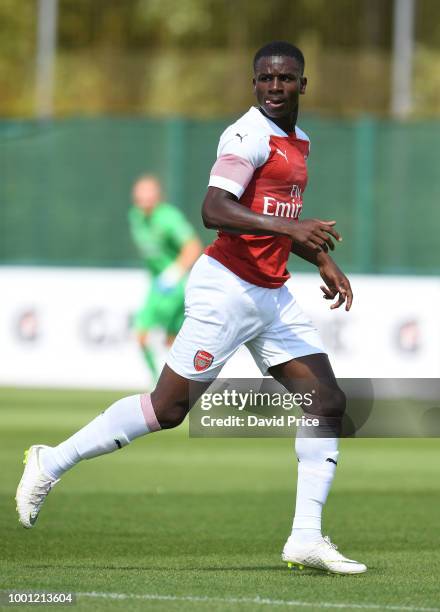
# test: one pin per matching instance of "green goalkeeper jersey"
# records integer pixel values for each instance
(160, 235)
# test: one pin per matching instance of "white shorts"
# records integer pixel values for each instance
(223, 312)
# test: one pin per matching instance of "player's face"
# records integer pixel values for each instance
(278, 82)
(146, 194)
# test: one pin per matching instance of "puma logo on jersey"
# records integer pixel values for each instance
(240, 136)
(282, 153)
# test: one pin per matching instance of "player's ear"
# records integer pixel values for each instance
(254, 83)
(303, 84)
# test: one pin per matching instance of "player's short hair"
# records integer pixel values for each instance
(147, 177)
(280, 47)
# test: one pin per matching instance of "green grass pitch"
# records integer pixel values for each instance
(173, 523)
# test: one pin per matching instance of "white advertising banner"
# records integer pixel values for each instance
(63, 327)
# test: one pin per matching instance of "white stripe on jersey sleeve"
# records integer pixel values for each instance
(223, 183)
(233, 171)
(241, 150)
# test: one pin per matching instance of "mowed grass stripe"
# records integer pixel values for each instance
(260, 601)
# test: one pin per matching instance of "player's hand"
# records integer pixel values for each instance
(169, 278)
(336, 284)
(315, 234)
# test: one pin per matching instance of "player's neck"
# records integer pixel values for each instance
(287, 124)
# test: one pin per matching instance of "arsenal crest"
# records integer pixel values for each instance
(202, 360)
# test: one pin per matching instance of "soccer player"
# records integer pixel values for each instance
(236, 294)
(169, 247)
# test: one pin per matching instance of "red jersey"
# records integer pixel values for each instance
(265, 168)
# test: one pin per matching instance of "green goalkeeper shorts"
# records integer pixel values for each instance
(162, 309)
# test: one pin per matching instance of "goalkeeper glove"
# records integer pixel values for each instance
(169, 278)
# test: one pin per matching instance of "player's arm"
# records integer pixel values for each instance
(181, 235)
(190, 252)
(221, 210)
(336, 283)
(137, 229)
(173, 274)
(306, 253)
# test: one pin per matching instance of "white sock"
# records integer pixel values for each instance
(316, 469)
(125, 420)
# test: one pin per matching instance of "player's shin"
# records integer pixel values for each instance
(317, 454)
(125, 420)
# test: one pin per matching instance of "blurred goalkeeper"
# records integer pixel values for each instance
(169, 247)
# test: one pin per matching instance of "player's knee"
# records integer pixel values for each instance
(335, 403)
(173, 417)
(170, 416)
